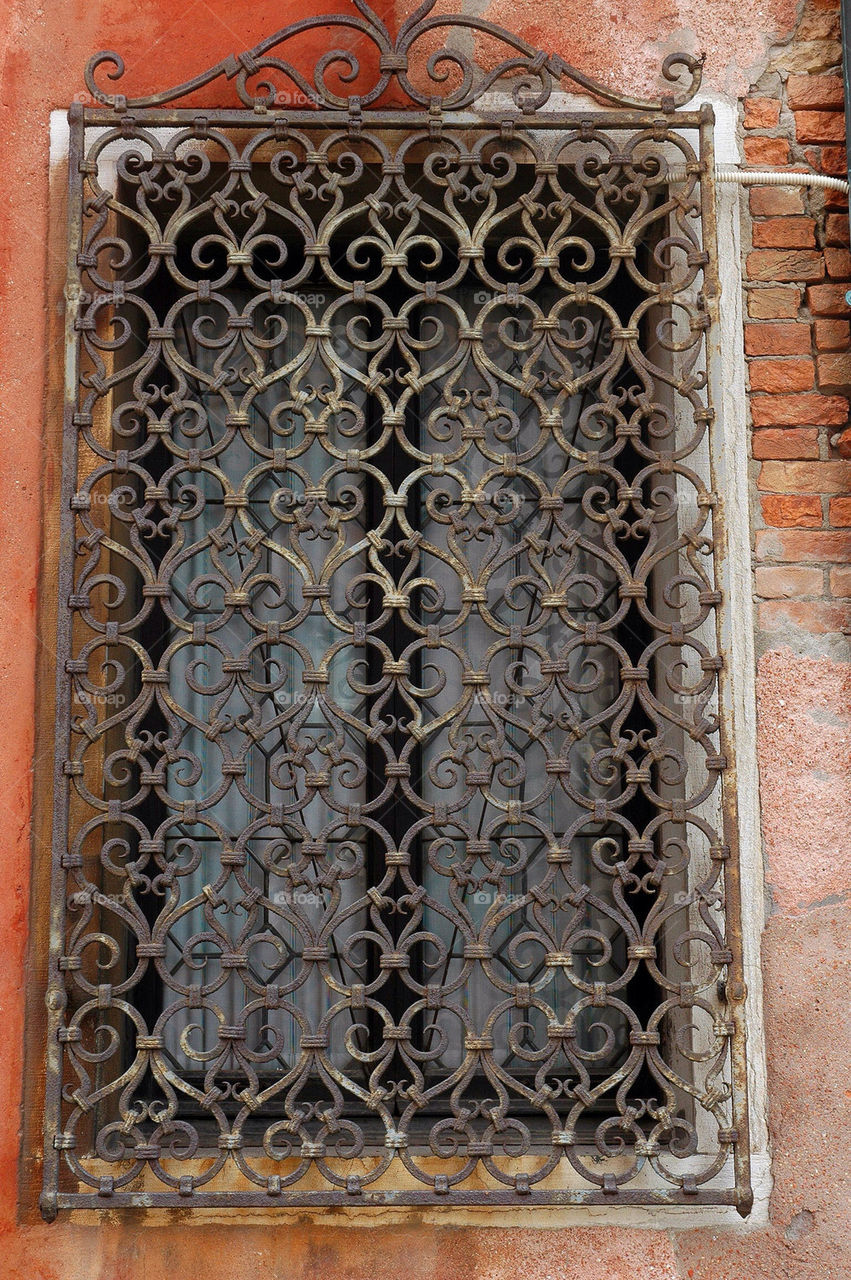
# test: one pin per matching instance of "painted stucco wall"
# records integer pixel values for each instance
(804, 679)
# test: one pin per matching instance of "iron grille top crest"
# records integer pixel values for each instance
(530, 73)
(390, 863)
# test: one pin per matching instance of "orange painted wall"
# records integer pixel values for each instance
(804, 707)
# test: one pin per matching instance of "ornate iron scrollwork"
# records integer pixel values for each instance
(389, 863)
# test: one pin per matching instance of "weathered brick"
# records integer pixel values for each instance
(834, 371)
(840, 580)
(828, 300)
(835, 160)
(840, 512)
(838, 263)
(777, 339)
(785, 264)
(799, 411)
(831, 160)
(843, 443)
(766, 153)
(832, 335)
(790, 374)
(805, 477)
(820, 126)
(791, 511)
(775, 202)
(836, 200)
(818, 24)
(816, 92)
(803, 546)
(762, 113)
(780, 582)
(819, 617)
(785, 233)
(780, 302)
(836, 229)
(785, 442)
(813, 57)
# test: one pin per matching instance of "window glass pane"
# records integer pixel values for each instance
(530, 733)
(242, 716)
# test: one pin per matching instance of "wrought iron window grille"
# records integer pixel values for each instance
(394, 840)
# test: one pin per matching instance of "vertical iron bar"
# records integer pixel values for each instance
(56, 995)
(735, 985)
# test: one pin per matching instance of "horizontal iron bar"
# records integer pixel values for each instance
(95, 117)
(320, 1199)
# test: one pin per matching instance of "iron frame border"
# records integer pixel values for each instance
(154, 113)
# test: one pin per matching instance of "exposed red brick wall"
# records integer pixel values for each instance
(798, 341)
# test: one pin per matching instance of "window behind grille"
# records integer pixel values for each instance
(267, 685)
